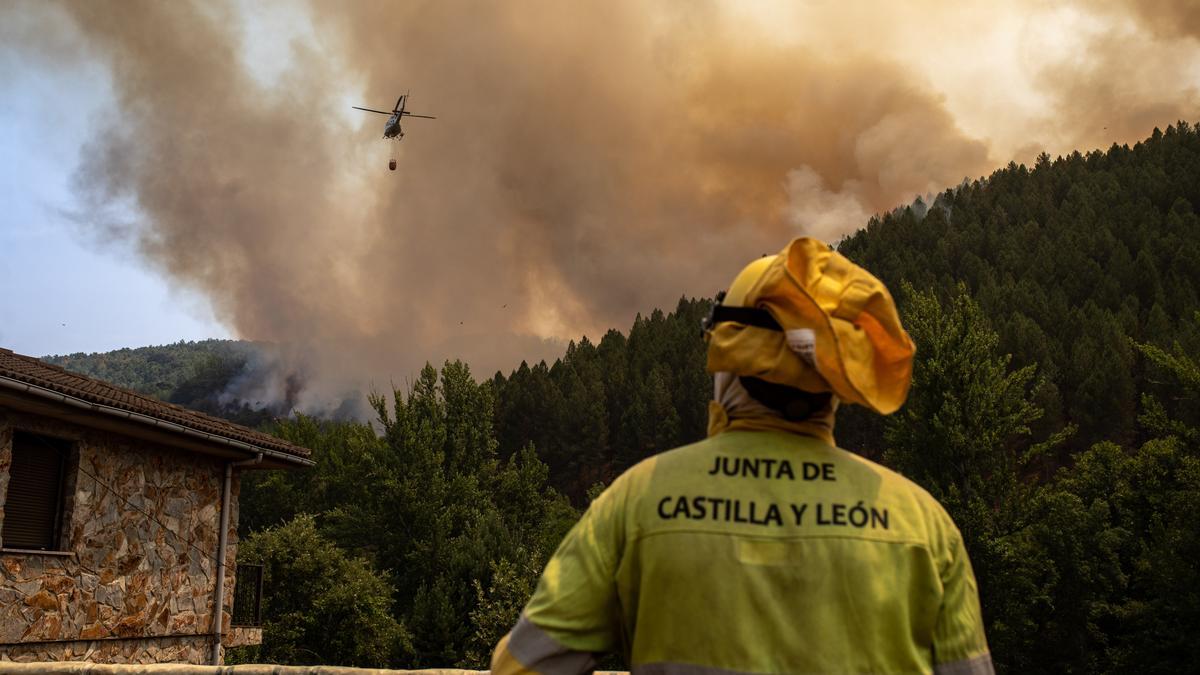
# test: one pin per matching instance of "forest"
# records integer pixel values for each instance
(1055, 412)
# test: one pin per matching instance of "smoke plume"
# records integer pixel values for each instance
(589, 161)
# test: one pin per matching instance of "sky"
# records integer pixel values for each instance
(188, 170)
(64, 290)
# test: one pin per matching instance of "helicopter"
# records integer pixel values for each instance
(392, 129)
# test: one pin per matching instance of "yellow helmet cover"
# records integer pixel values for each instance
(840, 328)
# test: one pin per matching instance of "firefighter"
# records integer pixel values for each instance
(764, 548)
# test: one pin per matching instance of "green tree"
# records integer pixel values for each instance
(454, 513)
(964, 436)
(350, 460)
(963, 433)
(321, 606)
(1120, 529)
(1182, 373)
(424, 497)
(498, 607)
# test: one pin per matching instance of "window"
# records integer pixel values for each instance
(247, 595)
(34, 505)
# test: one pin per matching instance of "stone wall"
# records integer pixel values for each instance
(143, 651)
(136, 582)
(81, 668)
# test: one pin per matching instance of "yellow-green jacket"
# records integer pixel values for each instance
(756, 552)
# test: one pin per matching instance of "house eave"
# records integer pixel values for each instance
(39, 400)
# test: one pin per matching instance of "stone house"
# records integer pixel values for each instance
(114, 511)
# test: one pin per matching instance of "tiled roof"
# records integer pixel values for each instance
(41, 374)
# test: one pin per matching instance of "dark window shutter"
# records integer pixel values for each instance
(32, 509)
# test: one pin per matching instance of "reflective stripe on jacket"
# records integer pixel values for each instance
(756, 552)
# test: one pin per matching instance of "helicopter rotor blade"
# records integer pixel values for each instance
(428, 117)
(374, 111)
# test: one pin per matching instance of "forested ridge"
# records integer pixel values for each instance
(197, 375)
(1055, 411)
(158, 371)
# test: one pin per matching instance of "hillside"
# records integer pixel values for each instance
(200, 375)
(1072, 260)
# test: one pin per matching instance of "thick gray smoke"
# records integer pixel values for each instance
(589, 161)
